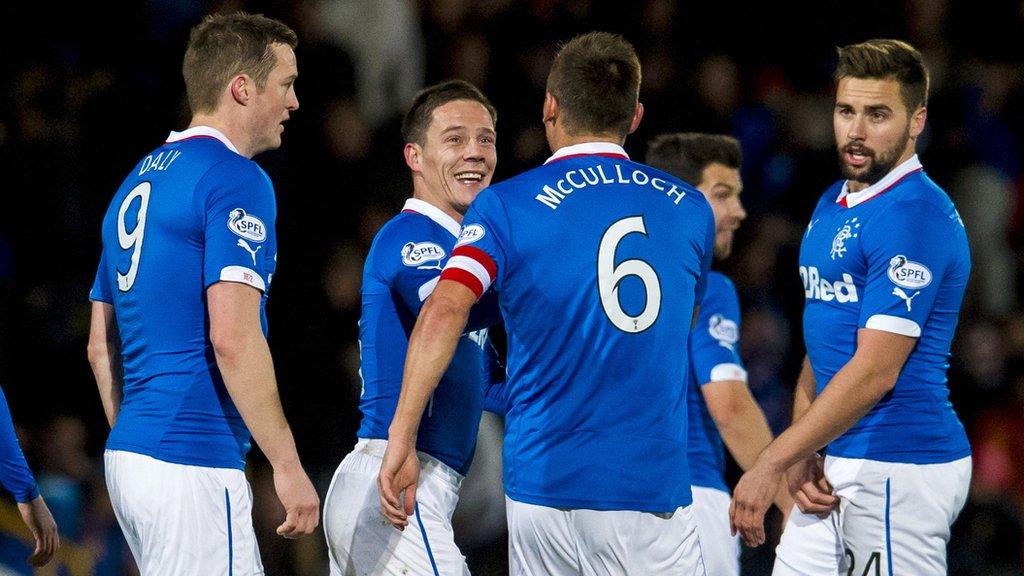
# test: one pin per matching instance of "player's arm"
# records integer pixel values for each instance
(18, 480)
(742, 424)
(431, 347)
(852, 392)
(806, 481)
(806, 390)
(104, 351)
(243, 358)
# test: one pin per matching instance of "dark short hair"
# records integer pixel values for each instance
(883, 59)
(421, 113)
(685, 155)
(225, 45)
(595, 78)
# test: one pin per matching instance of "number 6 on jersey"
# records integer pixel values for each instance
(609, 276)
(132, 240)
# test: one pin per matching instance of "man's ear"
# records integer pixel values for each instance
(917, 121)
(638, 115)
(413, 156)
(551, 110)
(242, 88)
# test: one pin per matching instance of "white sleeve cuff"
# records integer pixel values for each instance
(428, 288)
(729, 371)
(243, 275)
(894, 324)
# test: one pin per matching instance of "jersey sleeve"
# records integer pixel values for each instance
(101, 285)
(707, 255)
(479, 258)
(906, 259)
(495, 390)
(412, 259)
(715, 339)
(239, 212)
(14, 472)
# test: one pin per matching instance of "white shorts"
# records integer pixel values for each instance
(545, 541)
(893, 518)
(182, 520)
(361, 541)
(721, 550)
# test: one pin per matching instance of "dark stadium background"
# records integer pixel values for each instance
(88, 88)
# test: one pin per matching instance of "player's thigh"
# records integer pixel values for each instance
(621, 542)
(541, 541)
(361, 541)
(184, 520)
(720, 549)
(899, 522)
(809, 546)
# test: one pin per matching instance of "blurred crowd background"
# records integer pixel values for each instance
(88, 91)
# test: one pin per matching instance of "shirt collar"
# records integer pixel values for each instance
(851, 199)
(199, 131)
(589, 149)
(434, 213)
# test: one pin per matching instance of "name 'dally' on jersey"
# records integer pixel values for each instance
(892, 257)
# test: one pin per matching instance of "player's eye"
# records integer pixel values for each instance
(453, 139)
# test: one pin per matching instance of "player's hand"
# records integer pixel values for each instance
(39, 520)
(301, 504)
(754, 493)
(809, 487)
(399, 476)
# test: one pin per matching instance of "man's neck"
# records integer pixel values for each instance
(561, 140)
(225, 127)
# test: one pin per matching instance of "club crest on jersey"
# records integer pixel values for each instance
(421, 254)
(850, 229)
(470, 234)
(908, 274)
(246, 225)
(724, 330)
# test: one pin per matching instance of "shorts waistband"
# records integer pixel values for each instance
(428, 464)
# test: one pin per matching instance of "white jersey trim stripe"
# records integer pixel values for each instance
(434, 213)
(728, 371)
(428, 288)
(854, 198)
(243, 275)
(473, 267)
(588, 148)
(202, 131)
(894, 324)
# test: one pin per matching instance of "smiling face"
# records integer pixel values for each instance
(275, 101)
(457, 158)
(721, 185)
(875, 132)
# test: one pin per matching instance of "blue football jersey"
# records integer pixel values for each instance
(191, 213)
(891, 257)
(714, 357)
(14, 472)
(598, 263)
(401, 271)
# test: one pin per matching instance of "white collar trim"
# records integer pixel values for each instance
(894, 175)
(202, 131)
(434, 213)
(588, 148)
